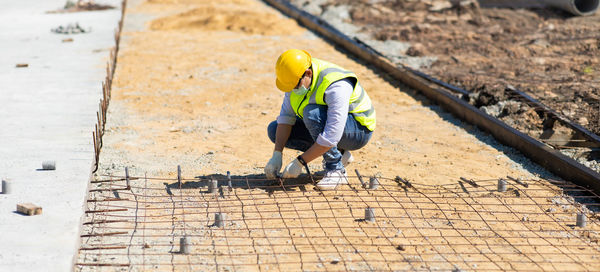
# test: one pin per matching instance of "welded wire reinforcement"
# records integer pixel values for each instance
(289, 225)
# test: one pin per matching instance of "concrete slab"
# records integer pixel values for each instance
(48, 112)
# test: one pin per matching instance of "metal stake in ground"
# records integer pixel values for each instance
(519, 181)
(184, 245)
(581, 220)
(502, 185)
(373, 183)
(49, 165)
(127, 178)
(360, 178)
(469, 181)
(369, 214)
(229, 181)
(213, 185)
(179, 176)
(220, 219)
(5, 187)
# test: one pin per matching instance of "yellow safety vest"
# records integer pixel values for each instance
(326, 73)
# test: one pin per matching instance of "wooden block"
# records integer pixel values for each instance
(29, 209)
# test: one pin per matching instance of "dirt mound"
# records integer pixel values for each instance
(213, 18)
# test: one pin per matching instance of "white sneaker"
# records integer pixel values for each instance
(332, 179)
(347, 158)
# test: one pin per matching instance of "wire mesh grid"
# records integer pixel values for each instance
(136, 223)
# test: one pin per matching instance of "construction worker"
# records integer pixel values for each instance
(325, 111)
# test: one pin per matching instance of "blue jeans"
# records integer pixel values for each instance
(305, 132)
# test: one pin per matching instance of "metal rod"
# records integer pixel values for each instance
(364, 185)
(184, 245)
(101, 248)
(581, 220)
(519, 181)
(127, 177)
(220, 219)
(5, 187)
(369, 215)
(502, 185)
(469, 181)
(179, 176)
(213, 186)
(104, 234)
(398, 179)
(373, 183)
(49, 165)
(229, 181)
(103, 211)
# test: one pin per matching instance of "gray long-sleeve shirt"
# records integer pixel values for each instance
(337, 97)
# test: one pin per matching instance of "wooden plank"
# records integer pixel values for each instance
(29, 209)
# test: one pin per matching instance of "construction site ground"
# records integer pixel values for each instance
(486, 45)
(546, 52)
(195, 87)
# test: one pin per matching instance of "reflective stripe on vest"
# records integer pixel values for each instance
(327, 73)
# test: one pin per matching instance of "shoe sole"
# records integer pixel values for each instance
(329, 187)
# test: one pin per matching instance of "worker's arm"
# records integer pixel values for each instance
(282, 135)
(285, 121)
(314, 152)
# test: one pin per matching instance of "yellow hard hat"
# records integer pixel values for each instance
(290, 67)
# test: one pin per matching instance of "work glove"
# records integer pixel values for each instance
(293, 170)
(274, 165)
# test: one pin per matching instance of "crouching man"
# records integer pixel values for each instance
(325, 111)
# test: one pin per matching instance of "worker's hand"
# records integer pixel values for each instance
(293, 170)
(274, 165)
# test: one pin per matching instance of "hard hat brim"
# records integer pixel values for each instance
(283, 87)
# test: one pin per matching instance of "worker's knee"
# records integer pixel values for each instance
(272, 130)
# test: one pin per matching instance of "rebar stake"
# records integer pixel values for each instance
(179, 176)
(5, 187)
(581, 220)
(369, 214)
(184, 245)
(49, 165)
(519, 181)
(127, 178)
(220, 219)
(373, 183)
(229, 181)
(213, 185)
(469, 181)
(502, 185)
(360, 178)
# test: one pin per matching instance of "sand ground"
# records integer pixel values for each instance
(194, 87)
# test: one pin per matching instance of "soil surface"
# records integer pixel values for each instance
(195, 87)
(547, 53)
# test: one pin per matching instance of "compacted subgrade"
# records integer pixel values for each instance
(194, 87)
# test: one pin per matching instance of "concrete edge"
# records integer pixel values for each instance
(94, 166)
